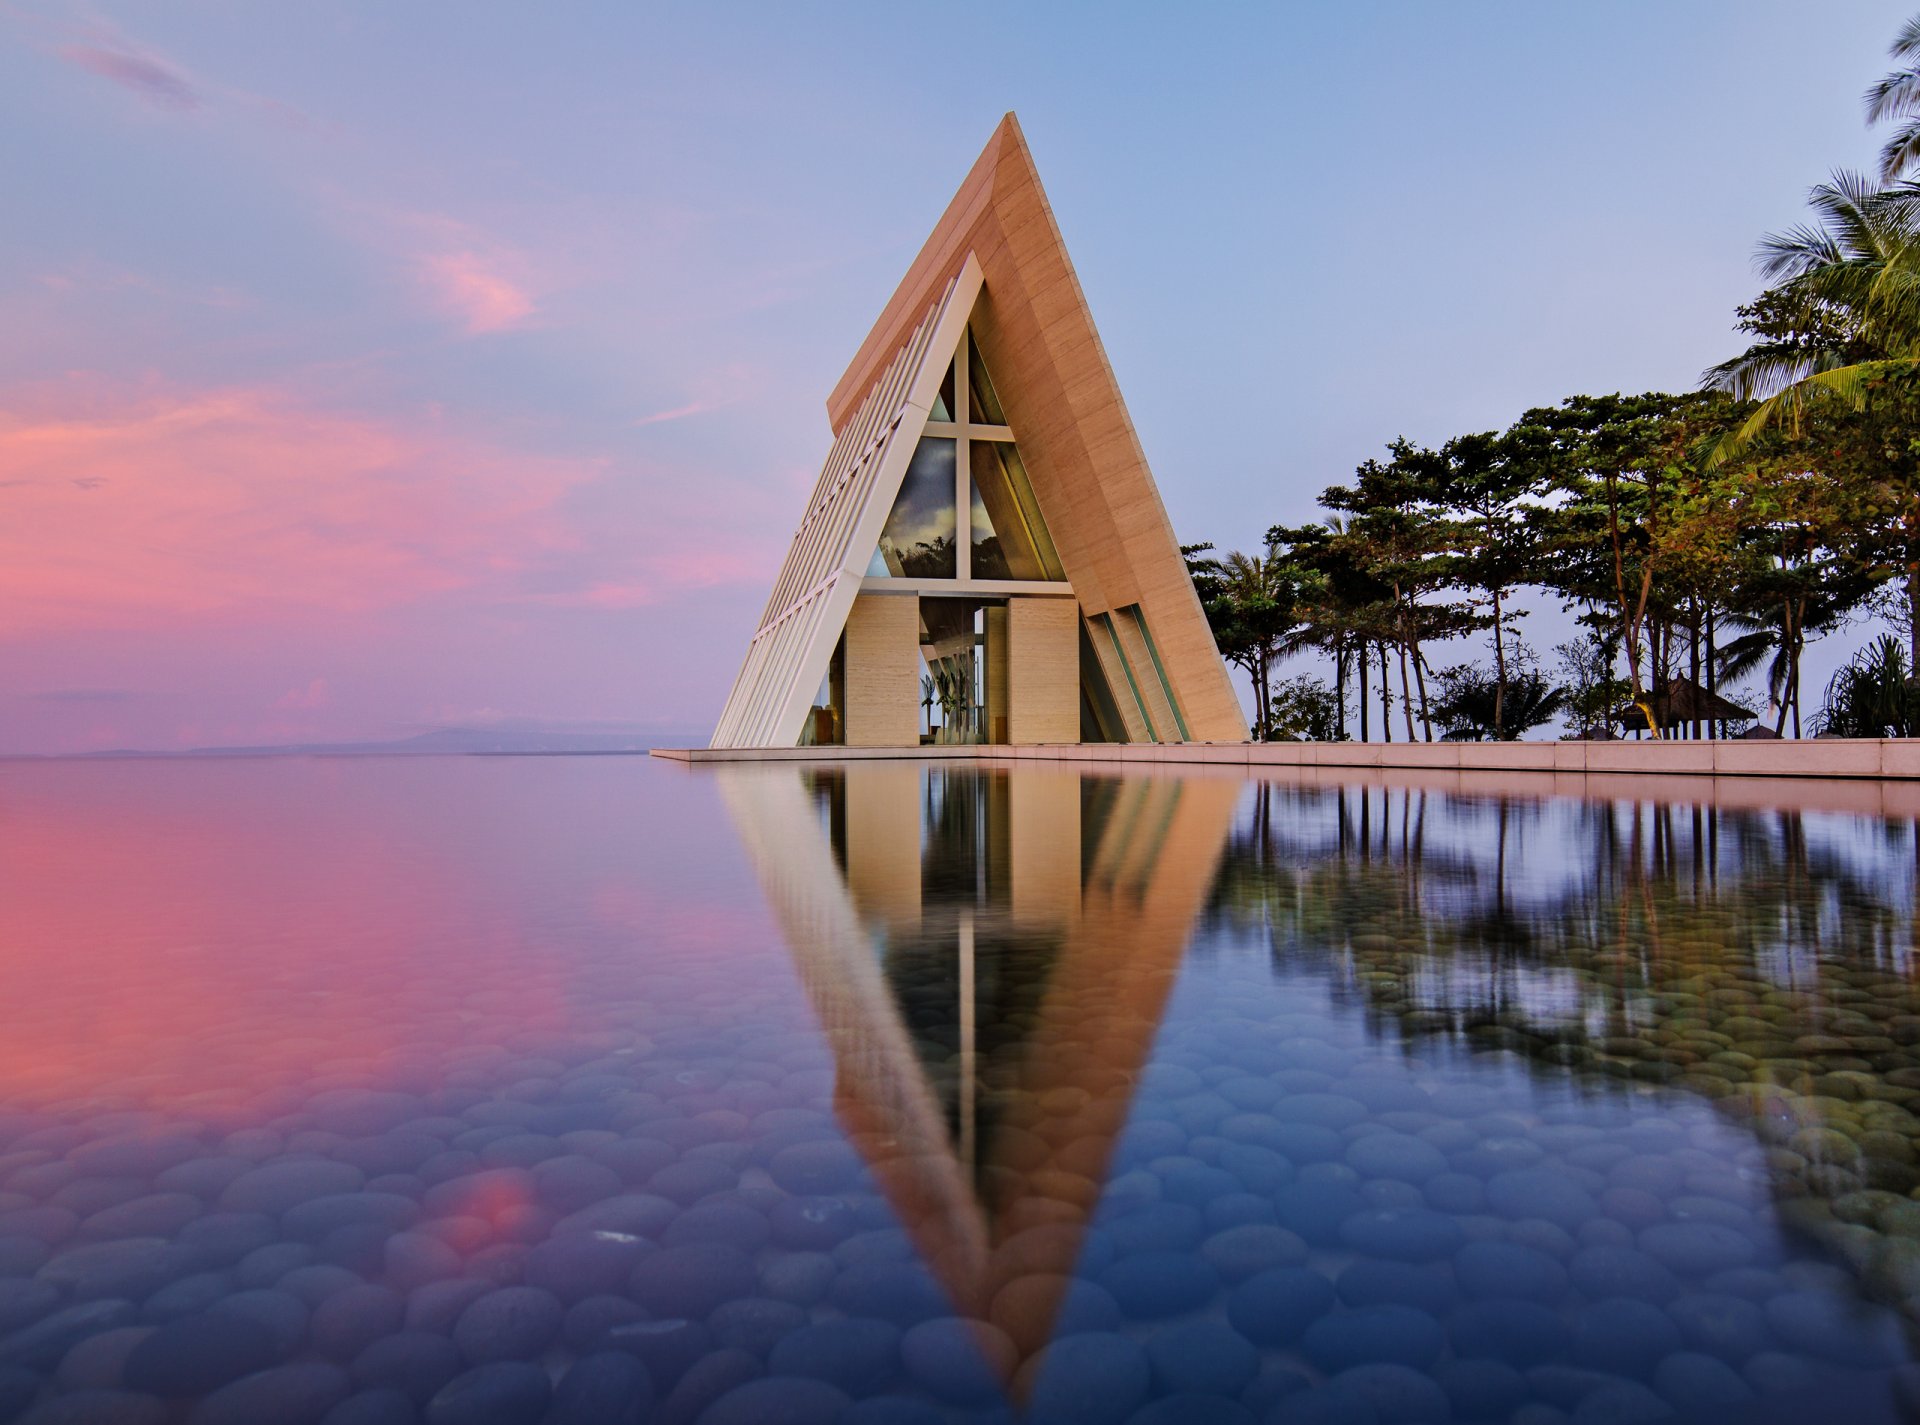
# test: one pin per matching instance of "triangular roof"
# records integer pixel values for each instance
(995, 257)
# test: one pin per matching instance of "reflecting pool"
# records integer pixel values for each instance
(557, 1091)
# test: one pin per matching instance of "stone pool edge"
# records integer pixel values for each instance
(1878, 759)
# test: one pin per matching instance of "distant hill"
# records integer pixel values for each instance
(506, 740)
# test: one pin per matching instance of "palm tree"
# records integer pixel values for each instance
(1846, 307)
(1898, 97)
(1250, 602)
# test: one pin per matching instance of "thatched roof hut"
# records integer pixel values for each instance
(1681, 701)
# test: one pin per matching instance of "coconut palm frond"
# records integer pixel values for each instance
(1901, 152)
(1762, 370)
(1906, 44)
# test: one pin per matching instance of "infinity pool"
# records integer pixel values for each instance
(561, 1091)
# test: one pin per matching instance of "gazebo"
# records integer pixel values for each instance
(1679, 704)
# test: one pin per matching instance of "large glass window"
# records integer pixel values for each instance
(919, 539)
(970, 461)
(1010, 540)
(943, 404)
(983, 406)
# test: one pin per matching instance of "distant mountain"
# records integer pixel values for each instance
(505, 740)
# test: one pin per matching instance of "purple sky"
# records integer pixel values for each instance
(373, 368)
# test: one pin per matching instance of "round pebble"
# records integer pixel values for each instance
(1404, 1234)
(1150, 1285)
(609, 1388)
(1399, 1156)
(1621, 1271)
(298, 1394)
(1094, 1378)
(1398, 1394)
(1834, 1327)
(691, 1280)
(776, 1400)
(497, 1393)
(1242, 1252)
(1369, 1281)
(1274, 1307)
(1692, 1382)
(1517, 1332)
(811, 1169)
(514, 1323)
(1371, 1334)
(958, 1360)
(352, 1319)
(373, 1407)
(277, 1187)
(198, 1354)
(1624, 1336)
(1540, 1192)
(416, 1363)
(1508, 1269)
(1202, 1358)
(855, 1354)
(1481, 1389)
(1726, 1326)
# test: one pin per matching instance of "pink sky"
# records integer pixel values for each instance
(371, 369)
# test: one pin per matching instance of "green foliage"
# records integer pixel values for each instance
(1872, 696)
(1594, 690)
(1306, 709)
(1465, 707)
(1252, 603)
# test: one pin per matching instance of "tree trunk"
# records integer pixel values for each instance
(1693, 635)
(1719, 726)
(1786, 681)
(1264, 688)
(1340, 688)
(1386, 698)
(1363, 693)
(1499, 675)
(1406, 693)
(1793, 672)
(1420, 676)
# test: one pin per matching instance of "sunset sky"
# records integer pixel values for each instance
(371, 368)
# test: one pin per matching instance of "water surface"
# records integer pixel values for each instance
(576, 1090)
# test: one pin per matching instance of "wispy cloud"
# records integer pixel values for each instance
(139, 71)
(250, 503)
(679, 413)
(476, 291)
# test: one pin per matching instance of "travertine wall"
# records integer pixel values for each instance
(883, 672)
(1043, 670)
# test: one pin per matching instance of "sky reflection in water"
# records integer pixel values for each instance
(538, 1089)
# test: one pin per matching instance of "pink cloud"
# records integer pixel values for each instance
(314, 695)
(161, 507)
(140, 72)
(474, 290)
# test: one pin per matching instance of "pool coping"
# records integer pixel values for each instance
(1872, 759)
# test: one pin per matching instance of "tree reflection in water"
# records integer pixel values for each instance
(1761, 959)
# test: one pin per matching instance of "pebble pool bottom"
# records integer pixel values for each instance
(580, 1091)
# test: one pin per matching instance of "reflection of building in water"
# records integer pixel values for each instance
(990, 956)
